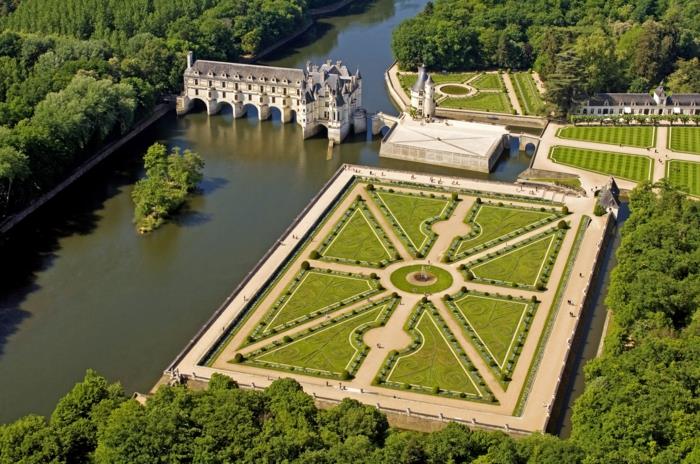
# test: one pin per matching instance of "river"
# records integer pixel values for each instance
(80, 289)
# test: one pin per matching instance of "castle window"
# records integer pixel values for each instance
(273, 90)
(224, 94)
(196, 82)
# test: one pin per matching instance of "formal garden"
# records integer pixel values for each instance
(628, 136)
(528, 95)
(370, 270)
(635, 168)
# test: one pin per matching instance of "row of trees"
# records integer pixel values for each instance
(95, 422)
(169, 179)
(577, 47)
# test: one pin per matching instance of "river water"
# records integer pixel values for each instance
(80, 289)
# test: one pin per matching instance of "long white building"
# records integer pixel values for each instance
(657, 103)
(318, 96)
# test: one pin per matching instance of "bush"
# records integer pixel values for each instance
(469, 275)
(370, 187)
(373, 276)
(565, 209)
(305, 265)
(238, 358)
(314, 254)
(286, 339)
(478, 200)
(562, 225)
(436, 390)
(540, 286)
(345, 375)
(534, 299)
(454, 196)
(598, 210)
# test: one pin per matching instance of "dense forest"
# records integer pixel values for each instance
(640, 404)
(75, 74)
(578, 47)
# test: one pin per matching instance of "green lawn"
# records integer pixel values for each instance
(497, 102)
(411, 213)
(407, 81)
(631, 167)
(630, 136)
(315, 291)
(573, 182)
(434, 363)
(488, 81)
(326, 351)
(454, 90)
(358, 238)
(495, 321)
(527, 93)
(523, 265)
(684, 175)
(446, 78)
(491, 222)
(685, 139)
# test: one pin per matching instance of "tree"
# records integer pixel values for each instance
(564, 84)
(14, 166)
(686, 77)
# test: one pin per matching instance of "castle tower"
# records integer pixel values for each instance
(429, 99)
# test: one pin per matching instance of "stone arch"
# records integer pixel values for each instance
(247, 106)
(530, 148)
(195, 99)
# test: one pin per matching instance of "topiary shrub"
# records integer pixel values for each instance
(238, 358)
(314, 254)
(286, 339)
(562, 225)
(305, 265)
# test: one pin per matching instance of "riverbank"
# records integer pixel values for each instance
(11, 221)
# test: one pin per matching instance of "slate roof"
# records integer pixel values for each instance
(644, 99)
(204, 68)
(420, 81)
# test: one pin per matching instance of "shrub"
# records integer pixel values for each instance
(478, 200)
(373, 276)
(238, 358)
(469, 275)
(370, 187)
(598, 209)
(345, 375)
(286, 339)
(540, 286)
(562, 225)
(305, 265)
(454, 196)
(436, 390)
(424, 299)
(565, 209)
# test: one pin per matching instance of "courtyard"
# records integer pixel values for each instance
(413, 293)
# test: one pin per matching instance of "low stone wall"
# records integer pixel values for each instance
(492, 118)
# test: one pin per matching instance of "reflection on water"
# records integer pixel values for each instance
(83, 290)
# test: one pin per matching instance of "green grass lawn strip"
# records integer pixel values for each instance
(488, 81)
(447, 78)
(635, 168)
(630, 136)
(497, 102)
(491, 222)
(685, 175)
(330, 349)
(684, 139)
(412, 216)
(433, 361)
(355, 240)
(527, 93)
(312, 294)
(551, 316)
(454, 90)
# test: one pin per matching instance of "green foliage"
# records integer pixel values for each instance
(169, 179)
(578, 48)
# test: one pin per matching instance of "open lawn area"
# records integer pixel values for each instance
(489, 222)
(495, 323)
(315, 291)
(489, 81)
(412, 215)
(330, 350)
(527, 93)
(631, 167)
(358, 237)
(434, 363)
(497, 102)
(630, 136)
(685, 139)
(446, 78)
(524, 265)
(454, 90)
(684, 175)
(407, 80)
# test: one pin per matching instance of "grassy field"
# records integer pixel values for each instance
(328, 351)
(488, 81)
(454, 90)
(497, 102)
(522, 266)
(685, 139)
(573, 182)
(314, 292)
(527, 93)
(684, 175)
(411, 212)
(434, 363)
(631, 167)
(443, 282)
(630, 136)
(357, 239)
(495, 321)
(492, 222)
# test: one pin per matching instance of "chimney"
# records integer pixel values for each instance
(189, 59)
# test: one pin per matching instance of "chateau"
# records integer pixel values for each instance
(318, 96)
(641, 103)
